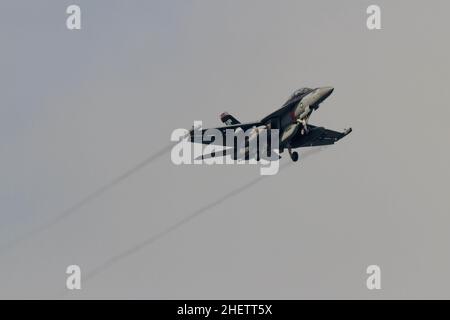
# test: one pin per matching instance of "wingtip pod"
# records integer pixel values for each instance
(346, 132)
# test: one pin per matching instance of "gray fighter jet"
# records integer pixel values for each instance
(291, 120)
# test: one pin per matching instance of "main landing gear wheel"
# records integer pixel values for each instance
(293, 155)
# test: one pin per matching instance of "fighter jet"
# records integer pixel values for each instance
(291, 120)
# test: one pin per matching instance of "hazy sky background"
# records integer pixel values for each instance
(79, 108)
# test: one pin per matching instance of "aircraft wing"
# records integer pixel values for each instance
(197, 134)
(319, 136)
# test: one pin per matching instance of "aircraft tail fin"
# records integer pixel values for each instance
(228, 119)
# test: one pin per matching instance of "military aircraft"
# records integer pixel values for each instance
(291, 120)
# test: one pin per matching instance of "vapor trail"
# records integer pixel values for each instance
(139, 246)
(87, 199)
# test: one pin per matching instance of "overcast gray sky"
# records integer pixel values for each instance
(80, 108)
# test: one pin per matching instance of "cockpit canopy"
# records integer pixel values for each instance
(301, 92)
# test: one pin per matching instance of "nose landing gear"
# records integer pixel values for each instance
(304, 126)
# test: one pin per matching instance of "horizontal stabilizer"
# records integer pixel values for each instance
(227, 152)
(221, 153)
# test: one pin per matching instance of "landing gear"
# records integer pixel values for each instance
(305, 126)
(293, 154)
(304, 123)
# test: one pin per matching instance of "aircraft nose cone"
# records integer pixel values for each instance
(326, 91)
(321, 94)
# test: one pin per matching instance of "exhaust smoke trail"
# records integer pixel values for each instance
(87, 199)
(152, 239)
